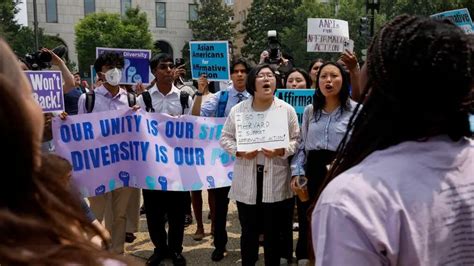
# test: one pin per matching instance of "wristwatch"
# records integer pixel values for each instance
(199, 93)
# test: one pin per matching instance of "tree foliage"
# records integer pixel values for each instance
(111, 30)
(213, 22)
(265, 15)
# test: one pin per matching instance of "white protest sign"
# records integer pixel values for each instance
(258, 130)
(327, 35)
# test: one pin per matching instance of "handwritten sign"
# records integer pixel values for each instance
(47, 89)
(258, 130)
(326, 35)
(210, 58)
(298, 98)
(114, 149)
(460, 17)
(137, 64)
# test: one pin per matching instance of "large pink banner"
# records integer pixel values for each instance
(109, 150)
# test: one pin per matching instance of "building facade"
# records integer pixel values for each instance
(168, 19)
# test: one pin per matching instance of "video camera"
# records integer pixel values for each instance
(274, 49)
(42, 59)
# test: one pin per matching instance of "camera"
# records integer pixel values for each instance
(274, 49)
(42, 59)
(178, 62)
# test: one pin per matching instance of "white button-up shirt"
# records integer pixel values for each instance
(168, 104)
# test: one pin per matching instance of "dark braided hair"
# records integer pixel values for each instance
(419, 85)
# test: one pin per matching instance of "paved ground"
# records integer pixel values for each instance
(197, 252)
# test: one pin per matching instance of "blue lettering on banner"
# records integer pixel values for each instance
(189, 156)
(215, 132)
(225, 158)
(152, 127)
(119, 125)
(105, 155)
(161, 154)
(180, 129)
(76, 131)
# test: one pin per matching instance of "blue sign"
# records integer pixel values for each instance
(460, 17)
(47, 89)
(137, 64)
(298, 98)
(93, 76)
(210, 58)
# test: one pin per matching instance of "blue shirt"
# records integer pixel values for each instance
(209, 108)
(324, 134)
(70, 101)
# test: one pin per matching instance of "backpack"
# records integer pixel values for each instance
(183, 99)
(90, 100)
(221, 105)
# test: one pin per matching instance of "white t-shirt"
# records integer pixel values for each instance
(411, 204)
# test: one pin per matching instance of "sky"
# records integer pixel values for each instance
(21, 17)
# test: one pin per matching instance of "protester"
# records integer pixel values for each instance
(260, 183)
(110, 96)
(196, 196)
(164, 97)
(72, 97)
(297, 78)
(400, 189)
(41, 222)
(220, 106)
(324, 125)
(313, 70)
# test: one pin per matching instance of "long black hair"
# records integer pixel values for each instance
(435, 99)
(307, 78)
(319, 100)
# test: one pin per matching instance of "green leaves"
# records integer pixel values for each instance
(111, 30)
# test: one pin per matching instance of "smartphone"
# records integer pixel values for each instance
(178, 62)
(349, 45)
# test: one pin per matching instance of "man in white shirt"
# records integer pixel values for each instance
(165, 98)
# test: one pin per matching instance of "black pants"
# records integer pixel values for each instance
(221, 205)
(316, 171)
(270, 215)
(157, 204)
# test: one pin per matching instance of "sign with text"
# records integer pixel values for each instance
(460, 17)
(137, 64)
(47, 89)
(210, 58)
(114, 149)
(326, 35)
(298, 98)
(256, 130)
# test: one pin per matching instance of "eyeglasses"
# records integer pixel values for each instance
(263, 75)
(163, 66)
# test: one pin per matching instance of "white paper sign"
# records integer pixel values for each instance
(258, 130)
(327, 35)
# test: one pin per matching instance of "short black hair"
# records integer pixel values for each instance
(109, 58)
(239, 61)
(159, 58)
(252, 76)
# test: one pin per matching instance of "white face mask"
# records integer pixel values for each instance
(113, 76)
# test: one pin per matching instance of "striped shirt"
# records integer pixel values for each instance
(324, 134)
(276, 176)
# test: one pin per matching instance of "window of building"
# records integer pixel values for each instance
(89, 7)
(193, 15)
(229, 2)
(160, 12)
(51, 11)
(124, 6)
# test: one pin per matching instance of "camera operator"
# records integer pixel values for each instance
(273, 56)
(40, 60)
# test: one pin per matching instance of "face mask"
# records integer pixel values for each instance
(113, 76)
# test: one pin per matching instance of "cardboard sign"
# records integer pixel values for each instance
(47, 89)
(210, 58)
(137, 64)
(258, 130)
(326, 35)
(460, 17)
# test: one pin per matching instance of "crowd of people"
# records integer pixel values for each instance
(380, 172)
